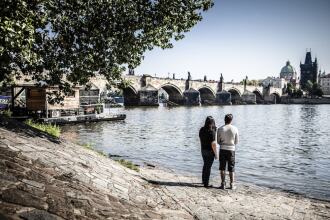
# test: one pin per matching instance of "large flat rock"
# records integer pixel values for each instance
(46, 178)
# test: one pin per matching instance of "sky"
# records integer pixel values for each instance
(251, 38)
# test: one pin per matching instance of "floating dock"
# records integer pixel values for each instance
(83, 118)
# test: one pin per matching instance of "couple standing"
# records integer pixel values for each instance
(227, 137)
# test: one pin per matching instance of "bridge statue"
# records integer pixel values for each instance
(245, 82)
(188, 81)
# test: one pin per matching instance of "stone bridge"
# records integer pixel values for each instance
(143, 90)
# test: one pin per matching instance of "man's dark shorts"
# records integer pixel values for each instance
(227, 156)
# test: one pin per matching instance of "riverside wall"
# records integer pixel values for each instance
(314, 101)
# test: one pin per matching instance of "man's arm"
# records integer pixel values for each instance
(236, 138)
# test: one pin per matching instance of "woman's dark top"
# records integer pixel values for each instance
(206, 136)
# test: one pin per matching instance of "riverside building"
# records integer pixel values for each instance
(289, 74)
(325, 83)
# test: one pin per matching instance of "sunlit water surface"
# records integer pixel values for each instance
(281, 146)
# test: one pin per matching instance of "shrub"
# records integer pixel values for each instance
(51, 129)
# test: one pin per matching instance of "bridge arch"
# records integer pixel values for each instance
(207, 95)
(131, 96)
(174, 93)
(259, 98)
(235, 96)
(277, 97)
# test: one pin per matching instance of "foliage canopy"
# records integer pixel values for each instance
(313, 89)
(52, 40)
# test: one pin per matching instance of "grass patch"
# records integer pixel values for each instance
(6, 113)
(90, 146)
(123, 162)
(128, 164)
(51, 129)
(102, 153)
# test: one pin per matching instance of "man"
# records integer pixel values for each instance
(227, 138)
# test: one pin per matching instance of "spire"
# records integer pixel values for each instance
(221, 78)
(308, 59)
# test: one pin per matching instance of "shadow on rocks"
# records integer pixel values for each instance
(168, 183)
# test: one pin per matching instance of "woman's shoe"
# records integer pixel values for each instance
(223, 185)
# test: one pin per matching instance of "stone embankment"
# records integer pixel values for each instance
(46, 178)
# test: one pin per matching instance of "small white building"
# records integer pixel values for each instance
(275, 82)
(325, 83)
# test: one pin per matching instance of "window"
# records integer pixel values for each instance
(72, 94)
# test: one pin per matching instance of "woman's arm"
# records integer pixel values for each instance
(214, 148)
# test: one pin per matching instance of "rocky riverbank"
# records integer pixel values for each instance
(46, 178)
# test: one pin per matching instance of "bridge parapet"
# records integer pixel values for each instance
(176, 89)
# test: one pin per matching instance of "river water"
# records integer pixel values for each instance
(281, 146)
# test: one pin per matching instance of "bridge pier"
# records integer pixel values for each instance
(191, 97)
(270, 99)
(223, 98)
(148, 96)
(249, 97)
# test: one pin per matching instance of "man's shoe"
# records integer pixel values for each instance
(232, 186)
(223, 185)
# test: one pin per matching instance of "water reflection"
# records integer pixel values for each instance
(282, 146)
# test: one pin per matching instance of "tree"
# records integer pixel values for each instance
(299, 93)
(52, 40)
(309, 87)
(18, 24)
(314, 89)
(289, 89)
(317, 91)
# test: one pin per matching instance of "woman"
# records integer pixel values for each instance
(207, 136)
